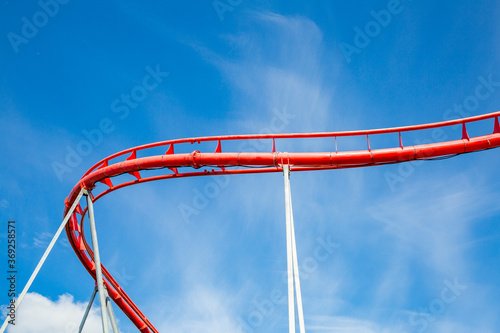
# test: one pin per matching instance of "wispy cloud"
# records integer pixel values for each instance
(434, 218)
(204, 309)
(279, 63)
(42, 239)
(344, 325)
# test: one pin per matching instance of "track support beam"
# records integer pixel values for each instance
(97, 262)
(292, 260)
(111, 314)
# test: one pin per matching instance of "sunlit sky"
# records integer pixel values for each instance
(405, 248)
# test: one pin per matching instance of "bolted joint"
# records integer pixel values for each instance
(194, 160)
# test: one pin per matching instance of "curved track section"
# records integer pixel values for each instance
(134, 164)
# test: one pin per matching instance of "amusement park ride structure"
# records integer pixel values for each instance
(136, 161)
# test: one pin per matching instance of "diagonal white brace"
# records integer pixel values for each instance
(44, 257)
(89, 306)
(292, 261)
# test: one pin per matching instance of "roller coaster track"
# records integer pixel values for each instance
(134, 164)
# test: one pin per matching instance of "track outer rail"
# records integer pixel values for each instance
(245, 163)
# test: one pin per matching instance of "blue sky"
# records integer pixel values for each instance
(405, 248)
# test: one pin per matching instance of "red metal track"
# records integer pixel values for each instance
(243, 163)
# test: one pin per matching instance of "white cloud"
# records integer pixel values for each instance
(38, 314)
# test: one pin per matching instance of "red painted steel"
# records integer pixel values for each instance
(245, 163)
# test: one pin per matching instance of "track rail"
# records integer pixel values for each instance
(228, 163)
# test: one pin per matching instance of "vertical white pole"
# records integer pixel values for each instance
(97, 262)
(289, 251)
(292, 260)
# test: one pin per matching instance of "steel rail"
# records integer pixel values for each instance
(231, 163)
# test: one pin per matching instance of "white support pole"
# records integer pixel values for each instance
(111, 314)
(289, 251)
(88, 310)
(292, 260)
(44, 257)
(97, 262)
